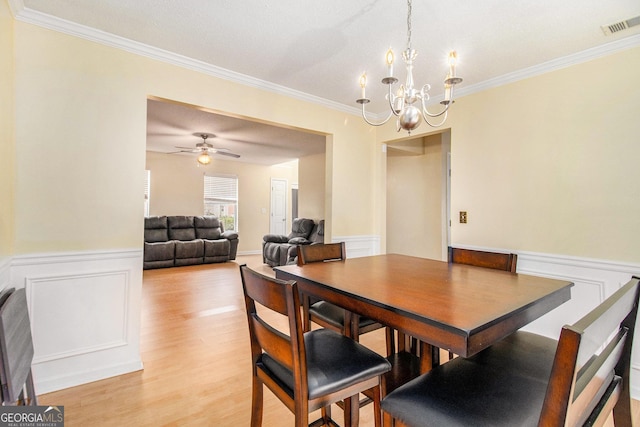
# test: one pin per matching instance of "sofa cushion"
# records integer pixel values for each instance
(216, 250)
(191, 252)
(207, 227)
(155, 229)
(317, 235)
(159, 251)
(181, 228)
(301, 227)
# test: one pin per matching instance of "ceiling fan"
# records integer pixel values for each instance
(205, 149)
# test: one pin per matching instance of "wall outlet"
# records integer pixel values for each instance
(463, 217)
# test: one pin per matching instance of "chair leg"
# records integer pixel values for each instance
(326, 415)
(387, 420)
(377, 411)
(256, 403)
(351, 411)
(31, 390)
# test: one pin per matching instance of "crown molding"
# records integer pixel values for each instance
(50, 22)
(67, 27)
(553, 65)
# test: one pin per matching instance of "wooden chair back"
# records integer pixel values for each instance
(16, 349)
(494, 260)
(283, 298)
(321, 252)
(590, 374)
(287, 348)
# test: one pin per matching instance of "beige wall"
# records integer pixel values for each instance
(80, 130)
(311, 187)
(545, 164)
(549, 164)
(414, 196)
(7, 141)
(177, 189)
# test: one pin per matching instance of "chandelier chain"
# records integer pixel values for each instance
(409, 24)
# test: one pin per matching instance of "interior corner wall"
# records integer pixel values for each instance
(177, 188)
(311, 186)
(414, 200)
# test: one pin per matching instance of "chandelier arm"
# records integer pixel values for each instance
(392, 98)
(444, 119)
(426, 113)
(364, 116)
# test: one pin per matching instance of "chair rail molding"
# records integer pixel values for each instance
(5, 269)
(85, 314)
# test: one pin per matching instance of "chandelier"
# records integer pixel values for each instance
(402, 102)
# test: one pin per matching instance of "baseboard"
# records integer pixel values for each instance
(256, 252)
(85, 314)
(50, 384)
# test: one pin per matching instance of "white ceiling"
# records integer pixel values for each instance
(316, 50)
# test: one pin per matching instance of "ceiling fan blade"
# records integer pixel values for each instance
(181, 151)
(224, 153)
(191, 149)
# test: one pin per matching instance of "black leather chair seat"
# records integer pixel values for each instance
(518, 367)
(334, 315)
(334, 362)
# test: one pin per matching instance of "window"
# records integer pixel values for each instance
(221, 199)
(147, 191)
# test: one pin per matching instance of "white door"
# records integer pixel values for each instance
(278, 224)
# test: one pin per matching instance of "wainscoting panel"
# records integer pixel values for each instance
(103, 295)
(85, 314)
(359, 246)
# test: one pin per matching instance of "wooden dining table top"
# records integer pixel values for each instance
(456, 307)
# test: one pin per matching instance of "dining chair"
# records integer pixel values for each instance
(403, 352)
(494, 260)
(306, 371)
(485, 259)
(530, 380)
(16, 349)
(324, 313)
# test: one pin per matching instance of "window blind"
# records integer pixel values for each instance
(222, 188)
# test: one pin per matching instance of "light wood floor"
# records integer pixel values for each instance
(195, 350)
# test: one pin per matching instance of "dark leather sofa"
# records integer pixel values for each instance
(282, 250)
(186, 240)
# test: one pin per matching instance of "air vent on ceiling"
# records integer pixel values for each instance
(620, 26)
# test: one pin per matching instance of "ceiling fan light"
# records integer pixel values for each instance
(204, 158)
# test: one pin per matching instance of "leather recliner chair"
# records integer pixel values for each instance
(281, 250)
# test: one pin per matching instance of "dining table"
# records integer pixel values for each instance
(460, 308)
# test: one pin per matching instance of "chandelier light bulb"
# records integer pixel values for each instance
(389, 59)
(453, 61)
(363, 83)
